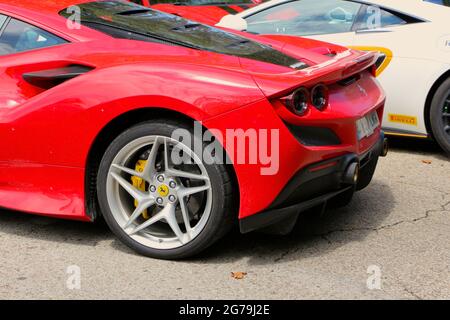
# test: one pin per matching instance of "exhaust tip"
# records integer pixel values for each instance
(385, 148)
(351, 175)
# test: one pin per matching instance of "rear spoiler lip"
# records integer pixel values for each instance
(341, 66)
(346, 59)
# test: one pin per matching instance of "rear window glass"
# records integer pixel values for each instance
(123, 19)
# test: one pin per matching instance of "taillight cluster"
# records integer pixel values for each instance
(301, 99)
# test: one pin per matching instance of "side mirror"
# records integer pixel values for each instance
(233, 22)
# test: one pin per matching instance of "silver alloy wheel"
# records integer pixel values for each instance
(170, 194)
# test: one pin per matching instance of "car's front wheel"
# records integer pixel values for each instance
(160, 207)
(440, 116)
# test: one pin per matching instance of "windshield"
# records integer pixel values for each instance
(123, 19)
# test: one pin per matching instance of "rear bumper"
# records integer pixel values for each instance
(313, 186)
(294, 142)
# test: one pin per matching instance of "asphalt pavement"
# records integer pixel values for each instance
(393, 241)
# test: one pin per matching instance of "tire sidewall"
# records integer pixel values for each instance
(437, 125)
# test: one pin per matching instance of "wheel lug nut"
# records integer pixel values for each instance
(161, 178)
(159, 200)
(152, 188)
(172, 184)
(172, 198)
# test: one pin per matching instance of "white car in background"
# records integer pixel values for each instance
(413, 37)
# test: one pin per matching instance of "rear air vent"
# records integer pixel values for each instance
(314, 136)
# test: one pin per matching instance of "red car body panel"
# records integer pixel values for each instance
(209, 14)
(205, 14)
(46, 136)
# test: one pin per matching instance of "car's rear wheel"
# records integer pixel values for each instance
(440, 116)
(159, 207)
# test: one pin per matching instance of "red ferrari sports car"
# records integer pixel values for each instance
(99, 100)
(205, 11)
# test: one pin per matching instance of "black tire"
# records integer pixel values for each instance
(437, 121)
(224, 207)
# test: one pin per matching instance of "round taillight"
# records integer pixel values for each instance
(319, 97)
(299, 101)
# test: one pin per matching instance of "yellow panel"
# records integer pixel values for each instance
(403, 119)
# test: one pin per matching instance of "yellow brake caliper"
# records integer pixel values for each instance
(140, 184)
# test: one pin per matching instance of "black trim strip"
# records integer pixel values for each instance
(5, 24)
(405, 133)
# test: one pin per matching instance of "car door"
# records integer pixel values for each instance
(328, 20)
(29, 59)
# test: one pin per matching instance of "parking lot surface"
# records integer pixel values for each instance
(396, 231)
